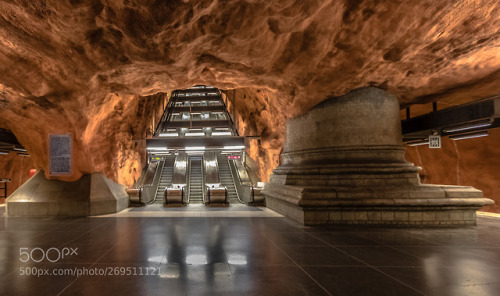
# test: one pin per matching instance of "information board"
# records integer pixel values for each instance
(60, 154)
(434, 141)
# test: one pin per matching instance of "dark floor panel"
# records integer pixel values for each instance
(432, 279)
(251, 256)
(358, 281)
(276, 280)
(382, 256)
(319, 255)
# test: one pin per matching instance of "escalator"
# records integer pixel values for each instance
(165, 178)
(195, 180)
(226, 178)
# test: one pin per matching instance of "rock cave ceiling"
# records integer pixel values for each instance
(89, 68)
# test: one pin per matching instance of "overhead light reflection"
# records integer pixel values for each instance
(234, 147)
(195, 148)
(196, 259)
(237, 259)
(169, 135)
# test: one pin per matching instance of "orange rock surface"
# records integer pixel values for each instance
(471, 162)
(92, 69)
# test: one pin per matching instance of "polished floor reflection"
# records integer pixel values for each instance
(246, 256)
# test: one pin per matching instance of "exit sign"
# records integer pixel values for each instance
(434, 141)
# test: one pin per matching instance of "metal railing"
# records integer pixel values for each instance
(167, 113)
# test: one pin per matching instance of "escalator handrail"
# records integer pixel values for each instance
(232, 176)
(158, 186)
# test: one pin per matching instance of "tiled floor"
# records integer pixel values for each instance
(247, 255)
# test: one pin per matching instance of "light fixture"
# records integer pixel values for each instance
(195, 148)
(4, 152)
(23, 154)
(418, 143)
(169, 135)
(19, 149)
(469, 136)
(157, 148)
(195, 134)
(467, 127)
(233, 147)
(221, 134)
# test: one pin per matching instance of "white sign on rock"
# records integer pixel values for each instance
(60, 154)
(434, 141)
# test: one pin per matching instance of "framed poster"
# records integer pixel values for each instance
(434, 141)
(60, 154)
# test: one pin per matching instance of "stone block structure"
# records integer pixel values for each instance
(343, 163)
(93, 194)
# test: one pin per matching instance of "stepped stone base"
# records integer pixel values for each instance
(343, 163)
(425, 205)
(93, 194)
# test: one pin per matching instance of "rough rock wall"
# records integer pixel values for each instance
(471, 162)
(107, 133)
(261, 114)
(65, 64)
(15, 167)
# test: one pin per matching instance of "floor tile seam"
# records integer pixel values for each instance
(303, 270)
(395, 279)
(92, 265)
(368, 238)
(385, 244)
(342, 251)
(228, 265)
(86, 232)
(399, 281)
(164, 255)
(404, 252)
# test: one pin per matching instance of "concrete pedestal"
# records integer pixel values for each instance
(93, 194)
(343, 163)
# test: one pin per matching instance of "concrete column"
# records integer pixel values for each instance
(343, 163)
